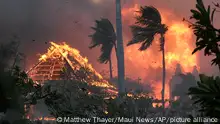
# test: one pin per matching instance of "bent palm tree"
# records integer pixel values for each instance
(105, 37)
(148, 24)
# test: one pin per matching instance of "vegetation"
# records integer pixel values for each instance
(207, 95)
(77, 102)
(207, 35)
(105, 37)
(71, 98)
(148, 24)
(16, 88)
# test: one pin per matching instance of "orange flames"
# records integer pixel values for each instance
(148, 64)
(64, 50)
(56, 51)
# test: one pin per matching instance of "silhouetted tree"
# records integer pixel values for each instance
(148, 24)
(16, 88)
(207, 95)
(207, 35)
(105, 37)
(72, 99)
(105, 33)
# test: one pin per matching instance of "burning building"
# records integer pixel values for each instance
(62, 62)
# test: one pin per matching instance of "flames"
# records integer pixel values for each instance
(148, 64)
(64, 51)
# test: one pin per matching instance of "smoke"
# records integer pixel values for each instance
(39, 21)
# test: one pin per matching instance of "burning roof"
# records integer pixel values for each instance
(63, 62)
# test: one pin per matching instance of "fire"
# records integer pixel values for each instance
(101, 84)
(64, 50)
(43, 58)
(74, 52)
(73, 58)
(148, 64)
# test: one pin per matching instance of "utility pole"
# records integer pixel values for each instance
(120, 48)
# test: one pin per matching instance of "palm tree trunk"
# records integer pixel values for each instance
(116, 51)
(110, 68)
(164, 73)
(120, 48)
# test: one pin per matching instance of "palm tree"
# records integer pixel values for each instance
(105, 37)
(148, 24)
(105, 32)
(120, 48)
(207, 35)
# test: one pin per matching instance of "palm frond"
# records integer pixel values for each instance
(148, 24)
(207, 95)
(149, 16)
(105, 37)
(106, 50)
(142, 35)
(216, 60)
(207, 35)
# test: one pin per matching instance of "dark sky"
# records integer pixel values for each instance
(70, 20)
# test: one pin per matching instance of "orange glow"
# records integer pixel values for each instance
(148, 63)
(131, 11)
(64, 51)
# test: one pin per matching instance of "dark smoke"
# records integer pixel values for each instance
(39, 21)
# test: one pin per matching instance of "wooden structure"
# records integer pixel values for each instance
(62, 62)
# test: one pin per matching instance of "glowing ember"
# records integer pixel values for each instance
(45, 119)
(106, 112)
(103, 84)
(43, 58)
